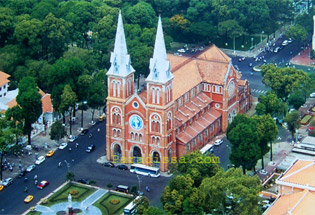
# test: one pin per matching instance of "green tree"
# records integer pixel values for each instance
(68, 99)
(97, 96)
(268, 104)
(84, 84)
(70, 176)
(296, 99)
(43, 8)
(297, 32)
(11, 57)
(29, 101)
(283, 81)
(142, 13)
(6, 25)
(292, 119)
(231, 189)
(267, 131)
(242, 134)
(230, 28)
(57, 131)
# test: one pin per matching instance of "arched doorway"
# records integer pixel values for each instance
(137, 155)
(117, 151)
(156, 159)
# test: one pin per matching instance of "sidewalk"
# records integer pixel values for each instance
(45, 144)
(303, 58)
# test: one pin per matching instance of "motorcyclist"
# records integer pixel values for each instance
(59, 164)
(26, 189)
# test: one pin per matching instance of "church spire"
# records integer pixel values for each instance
(160, 70)
(119, 59)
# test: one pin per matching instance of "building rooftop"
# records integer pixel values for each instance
(4, 78)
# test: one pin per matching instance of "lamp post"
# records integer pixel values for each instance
(68, 165)
(139, 180)
(234, 43)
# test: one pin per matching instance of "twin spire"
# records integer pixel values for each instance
(121, 63)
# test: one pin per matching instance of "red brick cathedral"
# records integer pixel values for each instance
(186, 102)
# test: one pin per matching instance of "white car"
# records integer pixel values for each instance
(7, 182)
(218, 142)
(284, 43)
(312, 95)
(30, 168)
(40, 160)
(72, 139)
(62, 145)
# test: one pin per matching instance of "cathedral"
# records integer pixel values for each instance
(186, 102)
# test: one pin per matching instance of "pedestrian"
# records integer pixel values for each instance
(35, 177)
(87, 208)
(98, 130)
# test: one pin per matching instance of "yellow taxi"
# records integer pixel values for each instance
(50, 153)
(28, 198)
(101, 118)
(1, 187)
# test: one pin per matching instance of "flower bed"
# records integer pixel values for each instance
(305, 120)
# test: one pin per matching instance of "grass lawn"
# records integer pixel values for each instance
(306, 119)
(33, 213)
(107, 208)
(62, 194)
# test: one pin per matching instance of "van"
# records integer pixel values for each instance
(122, 188)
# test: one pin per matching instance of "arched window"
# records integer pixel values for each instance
(158, 96)
(155, 123)
(136, 137)
(158, 141)
(118, 89)
(157, 126)
(132, 136)
(153, 140)
(114, 132)
(118, 119)
(118, 133)
(114, 88)
(140, 137)
(153, 126)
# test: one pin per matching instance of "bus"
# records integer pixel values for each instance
(207, 148)
(131, 208)
(145, 170)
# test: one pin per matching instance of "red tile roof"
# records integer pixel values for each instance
(4, 78)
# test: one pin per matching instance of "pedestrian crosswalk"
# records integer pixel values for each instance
(259, 91)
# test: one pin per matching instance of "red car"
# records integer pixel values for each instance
(42, 184)
(311, 128)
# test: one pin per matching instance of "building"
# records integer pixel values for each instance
(297, 190)
(184, 104)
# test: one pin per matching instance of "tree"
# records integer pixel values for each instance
(292, 119)
(231, 189)
(194, 166)
(57, 131)
(70, 176)
(142, 13)
(181, 197)
(29, 101)
(7, 141)
(97, 96)
(283, 81)
(296, 99)
(297, 32)
(242, 133)
(84, 84)
(267, 131)
(230, 28)
(6, 25)
(68, 99)
(268, 104)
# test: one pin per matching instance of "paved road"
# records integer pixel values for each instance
(83, 165)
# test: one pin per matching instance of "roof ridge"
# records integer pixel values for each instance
(307, 191)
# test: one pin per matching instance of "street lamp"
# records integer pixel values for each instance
(68, 165)
(139, 180)
(234, 43)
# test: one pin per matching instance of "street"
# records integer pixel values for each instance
(83, 165)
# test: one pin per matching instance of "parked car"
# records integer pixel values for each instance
(90, 148)
(312, 95)
(72, 139)
(101, 118)
(109, 164)
(30, 168)
(84, 132)
(28, 199)
(42, 184)
(40, 160)
(84, 181)
(285, 42)
(1, 187)
(122, 166)
(50, 153)
(62, 145)
(7, 182)
(218, 142)
(276, 50)
(122, 188)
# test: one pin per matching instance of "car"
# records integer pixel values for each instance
(28, 199)
(122, 166)
(276, 50)
(181, 50)
(218, 142)
(109, 164)
(101, 118)
(42, 184)
(257, 68)
(22, 173)
(7, 182)
(84, 132)
(1, 187)
(290, 40)
(84, 181)
(62, 145)
(50, 153)
(72, 139)
(90, 148)
(285, 42)
(30, 168)
(312, 95)
(40, 160)
(122, 188)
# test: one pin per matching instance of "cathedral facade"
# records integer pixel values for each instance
(186, 102)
